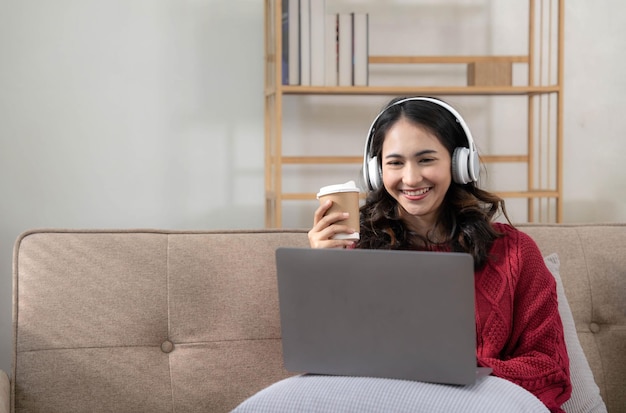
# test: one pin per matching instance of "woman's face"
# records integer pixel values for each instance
(416, 170)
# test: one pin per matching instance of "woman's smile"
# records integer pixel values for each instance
(416, 194)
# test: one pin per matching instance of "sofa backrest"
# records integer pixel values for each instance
(145, 321)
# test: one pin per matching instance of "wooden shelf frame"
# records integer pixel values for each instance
(433, 90)
(544, 191)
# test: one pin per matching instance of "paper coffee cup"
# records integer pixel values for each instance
(345, 198)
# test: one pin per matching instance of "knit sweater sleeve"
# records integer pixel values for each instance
(534, 355)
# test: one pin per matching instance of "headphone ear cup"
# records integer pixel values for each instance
(473, 166)
(374, 174)
(460, 166)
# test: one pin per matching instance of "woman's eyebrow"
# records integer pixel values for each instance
(419, 153)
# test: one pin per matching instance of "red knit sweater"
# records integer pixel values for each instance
(518, 326)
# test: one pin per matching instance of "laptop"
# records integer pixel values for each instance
(378, 313)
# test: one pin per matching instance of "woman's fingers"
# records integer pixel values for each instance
(326, 226)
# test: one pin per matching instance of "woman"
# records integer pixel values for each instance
(421, 168)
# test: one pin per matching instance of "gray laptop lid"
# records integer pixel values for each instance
(395, 314)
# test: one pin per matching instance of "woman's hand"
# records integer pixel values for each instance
(326, 226)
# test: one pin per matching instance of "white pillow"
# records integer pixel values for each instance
(323, 394)
(585, 392)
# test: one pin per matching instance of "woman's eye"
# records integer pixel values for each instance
(427, 160)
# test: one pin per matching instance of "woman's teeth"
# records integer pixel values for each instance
(418, 192)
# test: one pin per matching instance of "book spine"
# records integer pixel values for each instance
(284, 72)
(361, 48)
(317, 13)
(331, 55)
(305, 42)
(345, 49)
(293, 42)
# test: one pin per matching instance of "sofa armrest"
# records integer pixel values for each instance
(5, 393)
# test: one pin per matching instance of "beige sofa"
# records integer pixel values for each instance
(172, 321)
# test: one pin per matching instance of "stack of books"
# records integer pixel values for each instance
(322, 49)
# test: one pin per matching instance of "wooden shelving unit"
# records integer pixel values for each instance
(543, 193)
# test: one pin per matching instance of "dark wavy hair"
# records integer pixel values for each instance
(466, 213)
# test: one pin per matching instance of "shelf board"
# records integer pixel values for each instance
(309, 160)
(503, 158)
(312, 160)
(538, 193)
(417, 90)
(446, 59)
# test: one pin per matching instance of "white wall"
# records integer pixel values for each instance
(149, 113)
(595, 103)
(117, 113)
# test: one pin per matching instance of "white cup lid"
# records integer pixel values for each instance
(349, 186)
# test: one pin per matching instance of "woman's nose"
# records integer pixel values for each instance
(412, 175)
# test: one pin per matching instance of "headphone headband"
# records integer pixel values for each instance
(464, 160)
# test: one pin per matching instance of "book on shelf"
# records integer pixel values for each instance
(360, 51)
(317, 13)
(285, 44)
(330, 57)
(320, 49)
(344, 49)
(305, 42)
(291, 42)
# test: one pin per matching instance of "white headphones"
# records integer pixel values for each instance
(465, 166)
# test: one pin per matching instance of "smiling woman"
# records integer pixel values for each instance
(421, 171)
